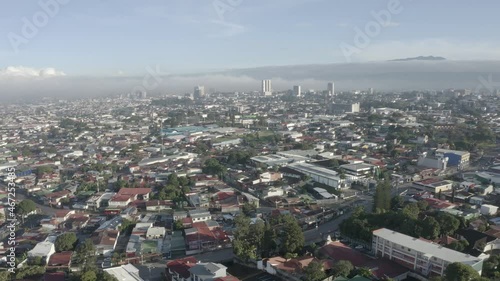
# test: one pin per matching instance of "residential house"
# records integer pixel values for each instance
(178, 270)
(60, 261)
(105, 241)
(124, 272)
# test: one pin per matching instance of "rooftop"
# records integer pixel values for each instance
(419, 245)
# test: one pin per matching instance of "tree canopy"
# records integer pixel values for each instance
(25, 207)
(281, 235)
(65, 242)
(214, 167)
(314, 272)
(460, 272)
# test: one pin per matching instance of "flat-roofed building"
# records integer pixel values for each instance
(420, 255)
(455, 157)
(433, 185)
(319, 174)
(361, 170)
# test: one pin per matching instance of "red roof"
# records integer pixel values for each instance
(182, 266)
(60, 259)
(438, 204)
(224, 195)
(63, 213)
(120, 198)
(339, 251)
(383, 268)
(134, 191)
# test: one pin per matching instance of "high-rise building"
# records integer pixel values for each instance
(331, 89)
(370, 91)
(267, 89)
(297, 91)
(199, 92)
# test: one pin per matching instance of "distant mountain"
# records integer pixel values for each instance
(420, 58)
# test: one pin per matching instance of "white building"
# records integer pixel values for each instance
(297, 91)
(43, 250)
(331, 89)
(272, 192)
(200, 215)
(423, 257)
(433, 185)
(319, 174)
(488, 209)
(199, 92)
(125, 272)
(155, 232)
(267, 89)
(434, 162)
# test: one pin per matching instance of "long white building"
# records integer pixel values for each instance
(320, 174)
(423, 257)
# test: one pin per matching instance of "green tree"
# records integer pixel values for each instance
(65, 242)
(491, 267)
(343, 268)
(173, 179)
(5, 275)
(314, 272)
(458, 245)
(85, 255)
(29, 271)
(25, 207)
(214, 167)
(127, 226)
(449, 223)
(178, 225)
(248, 209)
(460, 272)
(365, 272)
(430, 228)
(89, 276)
(292, 235)
(382, 199)
(411, 211)
(43, 170)
(104, 276)
(397, 202)
(242, 246)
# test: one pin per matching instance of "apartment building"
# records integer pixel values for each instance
(455, 157)
(420, 255)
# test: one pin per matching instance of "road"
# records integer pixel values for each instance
(321, 232)
(45, 210)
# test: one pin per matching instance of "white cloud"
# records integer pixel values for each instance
(23, 71)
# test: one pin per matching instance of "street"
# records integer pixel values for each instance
(320, 233)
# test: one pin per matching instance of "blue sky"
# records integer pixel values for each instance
(123, 37)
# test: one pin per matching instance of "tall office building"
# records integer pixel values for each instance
(267, 90)
(199, 92)
(331, 89)
(297, 91)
